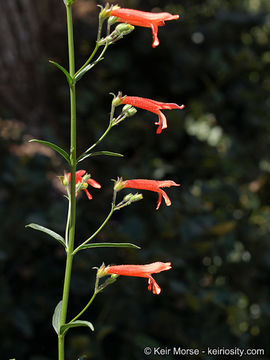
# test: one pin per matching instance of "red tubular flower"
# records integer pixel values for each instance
(141, 271)
(152, 185)
(80, 180)
(145, 19)
(153, 106)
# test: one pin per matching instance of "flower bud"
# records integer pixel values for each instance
(118, 33)
(126, 107)
(129, 110)
(124, 29)
(129, 199)
(136, 197)
(112, 20)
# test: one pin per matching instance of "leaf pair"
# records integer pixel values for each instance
(61, 240)
(71, 81)
(108, 153)
(65, 155)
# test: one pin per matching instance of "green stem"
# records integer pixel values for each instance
(105, 133)
(88, 60)
(95, 49)
(98, 230)
(99, 140)
(72, 198)
(101, 54)
(89, 302)
(61, 347)
(86, 67)
(85, 308)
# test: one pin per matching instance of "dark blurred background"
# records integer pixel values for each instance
(216, 60)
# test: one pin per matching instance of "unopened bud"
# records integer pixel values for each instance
(124, 29)
(127, 198)
(129, 110)
(120, 31)
(112, 20)
(137, 197)
(130, 198)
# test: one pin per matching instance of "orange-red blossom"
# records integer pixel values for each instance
(145, 19)
(145, 271)
(80, 180)
(153, 106)
(152, 185)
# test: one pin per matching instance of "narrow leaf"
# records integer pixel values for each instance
(54, 147)
(108, 153)
(77, 323)
(103, 245)
(57, 317)
(49, 232)
(69, 78)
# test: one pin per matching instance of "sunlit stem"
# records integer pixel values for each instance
(100, 23)
(106, 131)
(72, 197)
(98, 230)
(100, 139)
(96, 291)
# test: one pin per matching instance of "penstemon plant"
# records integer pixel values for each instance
(75, 181)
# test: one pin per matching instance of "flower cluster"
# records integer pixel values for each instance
(128, 19)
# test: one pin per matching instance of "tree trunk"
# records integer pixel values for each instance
(25, 29)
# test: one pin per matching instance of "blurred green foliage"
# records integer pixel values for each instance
(216, 60)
